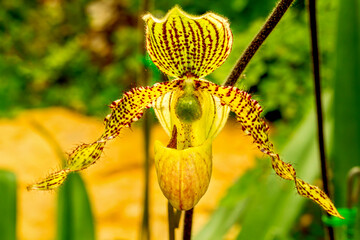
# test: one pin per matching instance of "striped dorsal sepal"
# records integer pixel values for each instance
(248, 112)
(124, 112)
(182, 45)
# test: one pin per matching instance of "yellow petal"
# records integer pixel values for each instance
(184, 45)
(183, 175)
(248, 112)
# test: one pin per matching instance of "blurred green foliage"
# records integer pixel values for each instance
(51, 55)
(279, 75)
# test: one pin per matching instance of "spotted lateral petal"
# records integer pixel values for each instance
(182, 45)
(248, 114)
(124, 111)
(130, 107)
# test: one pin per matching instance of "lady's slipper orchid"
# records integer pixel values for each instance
(191, 110)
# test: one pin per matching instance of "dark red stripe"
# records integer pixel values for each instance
(213, 58)
(203, 46)
(195, 51)
(156, 47)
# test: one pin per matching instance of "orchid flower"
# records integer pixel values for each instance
(191, 110)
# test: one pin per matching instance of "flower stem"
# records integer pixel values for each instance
(275, 16)
(316, 73)
(173, 220)
(145, 229)
(188, 224)
(143, 80)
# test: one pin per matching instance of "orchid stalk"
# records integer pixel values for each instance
(191, 110)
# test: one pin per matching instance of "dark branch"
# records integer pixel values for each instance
(259, 39)
(316, 73)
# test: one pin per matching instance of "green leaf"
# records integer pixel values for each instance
(346, 149)
(7, 205)
(75, 219)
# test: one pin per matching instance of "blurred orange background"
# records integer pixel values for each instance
(115, 183)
